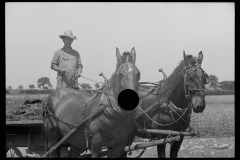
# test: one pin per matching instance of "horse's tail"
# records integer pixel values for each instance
(44, 117)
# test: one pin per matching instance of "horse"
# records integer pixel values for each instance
(175, 99)
(100, 120)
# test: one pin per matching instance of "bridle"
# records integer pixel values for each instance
(119, 71)
(109, 92)
(187, 74)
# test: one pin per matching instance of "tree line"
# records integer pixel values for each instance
(214, 87)
(45, 87)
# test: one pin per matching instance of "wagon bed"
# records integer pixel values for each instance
(30, 134)
(29, 123)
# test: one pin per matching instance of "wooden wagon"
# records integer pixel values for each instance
(30, 135)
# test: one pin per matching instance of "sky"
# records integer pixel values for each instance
(159, 31)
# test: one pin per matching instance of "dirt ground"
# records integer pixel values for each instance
(191, 148)
(196, 148)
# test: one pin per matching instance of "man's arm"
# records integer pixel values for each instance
(56, 68)
(80, 66)
(54, 63)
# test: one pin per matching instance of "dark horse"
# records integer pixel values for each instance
(184, 89)
(111, 125)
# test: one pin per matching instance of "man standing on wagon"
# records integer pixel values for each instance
(67, 63)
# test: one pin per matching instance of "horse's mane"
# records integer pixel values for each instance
(113, 82)
(124, 57)
(173, 79)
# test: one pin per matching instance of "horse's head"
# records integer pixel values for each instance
(194, 81)
(127, 72)
(126, 78)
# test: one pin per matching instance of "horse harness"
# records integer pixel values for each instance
(105, 101)
(186, 74)
(167, 105)
(107, 104)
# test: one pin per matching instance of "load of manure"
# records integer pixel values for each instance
(25, 112)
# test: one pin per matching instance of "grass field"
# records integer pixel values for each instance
(217, 120)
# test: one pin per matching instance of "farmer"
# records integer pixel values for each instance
(67, 63)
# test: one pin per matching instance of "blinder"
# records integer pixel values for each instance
(206, 80)
(187, 74)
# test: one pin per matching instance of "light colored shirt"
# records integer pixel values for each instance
(66, 60)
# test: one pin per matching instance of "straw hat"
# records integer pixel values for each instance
(69, 34)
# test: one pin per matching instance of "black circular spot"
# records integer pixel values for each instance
(128, 99)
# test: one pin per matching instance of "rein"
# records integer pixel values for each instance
(92, 80)
(110, 91)
(164, 124)
(71, 125)
(154, 83)
(72, 129)
(151, 92)
(185, 73)
(186, 78)
(111, 96)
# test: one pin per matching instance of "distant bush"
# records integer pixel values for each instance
(7, 91)
(218, 92)
(35, 91)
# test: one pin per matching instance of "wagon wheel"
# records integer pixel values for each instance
(14, 151)
(7, 148)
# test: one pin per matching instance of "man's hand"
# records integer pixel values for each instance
(64, 71)
(78, 75)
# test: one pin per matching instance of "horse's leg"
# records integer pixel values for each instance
(55, 153)
(96, 147)
(74, 152)
(117, 151)
(51, 142)
(124, 155)
(52, 134)
(175, 148)
(109, 148)
(161, 149)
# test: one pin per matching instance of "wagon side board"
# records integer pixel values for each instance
(28, 134)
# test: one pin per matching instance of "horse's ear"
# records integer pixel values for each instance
(133, 54)
(186, 61)
(200, 57)
(119, 58)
